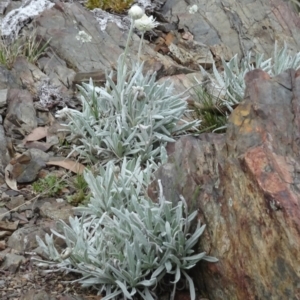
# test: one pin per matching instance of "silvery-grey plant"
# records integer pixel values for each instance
(136, 116)
(114, 186)
(124, 244)
(232, 81)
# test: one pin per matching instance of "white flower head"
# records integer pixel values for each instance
(63, 113)
(193, 9)
(136, 12)
(139, 92)
(83, 37)
(145, 23)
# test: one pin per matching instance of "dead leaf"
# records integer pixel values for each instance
(38, 145)
(68, 164)
(9, 178)
(36, 134)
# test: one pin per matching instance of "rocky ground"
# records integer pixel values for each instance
(31, 143)
(32, 147)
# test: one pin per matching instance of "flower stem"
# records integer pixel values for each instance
(140, 46)
(127, 43)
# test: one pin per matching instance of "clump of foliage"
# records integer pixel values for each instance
(295, 5)
(232, 80)
(51, 185)
(208, 109)
(134, 117)
(126, 243)
(117, 6)
(28, 46)
(82, 194)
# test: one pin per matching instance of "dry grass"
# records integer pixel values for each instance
(28, 46)
(117, 6)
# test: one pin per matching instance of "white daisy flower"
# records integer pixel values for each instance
(145, 23)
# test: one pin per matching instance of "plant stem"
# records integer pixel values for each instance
(127, 43)
(140, 46)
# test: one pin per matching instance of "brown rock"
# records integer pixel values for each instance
(10, 226)
(21, 115)
(246, 187)
(28, 74)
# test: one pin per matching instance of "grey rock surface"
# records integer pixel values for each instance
(24, 239)
(76, 38)
(21, 116)
(240, 25)
(12, 262)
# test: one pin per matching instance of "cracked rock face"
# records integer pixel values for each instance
(246, 187)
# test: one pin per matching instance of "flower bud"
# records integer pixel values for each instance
(136, 12)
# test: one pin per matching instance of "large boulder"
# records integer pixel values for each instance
(246, 187)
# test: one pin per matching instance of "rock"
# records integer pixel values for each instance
(183, 49)
(7, 79)
(239, 25)
(24, 239)
(75, 297)
(37, 295)
(73, 29)
(9, 193)
(29, 75)
(4, 214)
(56, 69)
(15, 20)
(26, 167)
(3, 97)
(12, 262)
(53, 93)
(246, 188)
(57, 210)
(2, 245)
(82, 31)
(3, 7)
(4, 156)
(188, 83)
(43, 295)
(10, 226)
(3, 234)
(15, 202)
(21, 115)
